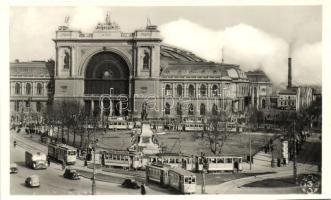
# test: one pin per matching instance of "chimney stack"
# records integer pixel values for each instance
(289, 78)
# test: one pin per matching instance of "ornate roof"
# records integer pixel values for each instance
(179, 63)
(38, 69)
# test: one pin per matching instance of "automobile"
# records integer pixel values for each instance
(13, 168)
(32, 181)
(71, 174)
(128, 183)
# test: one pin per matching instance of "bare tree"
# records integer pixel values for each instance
(67, 114)
(217, 132)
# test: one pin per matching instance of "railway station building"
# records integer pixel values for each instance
(112, 73)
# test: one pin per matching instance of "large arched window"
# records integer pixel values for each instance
(167, 109)
(202, 109)
(17, 88)
(168, 90)
(203, 90)
(179, 90)
(214, 109)
(179, 109)
(39, 89)
(28, 89)
(214, 90)
(190, 109)
(191, 91)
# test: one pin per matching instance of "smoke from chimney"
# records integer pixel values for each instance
(289, 79)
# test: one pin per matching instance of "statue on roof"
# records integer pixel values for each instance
(66, 20)
(108, 25)
(108, 21)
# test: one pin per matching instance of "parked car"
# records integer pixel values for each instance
(71, 174)
(128, 183)
(32, 181)
(13, 168)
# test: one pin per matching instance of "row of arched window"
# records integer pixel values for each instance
(190, 109)
(203, 91)
(27, 105)
(28, 89)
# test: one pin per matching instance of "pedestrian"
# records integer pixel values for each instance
(63, 165)
(48, 162)
(284, 162)
(143, 189)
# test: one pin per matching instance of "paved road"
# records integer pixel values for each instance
(308, 163)
(52, 181)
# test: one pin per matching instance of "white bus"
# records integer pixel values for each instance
(35, 160)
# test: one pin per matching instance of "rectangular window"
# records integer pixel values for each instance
(27, 104)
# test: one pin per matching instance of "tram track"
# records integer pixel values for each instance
(25, 144)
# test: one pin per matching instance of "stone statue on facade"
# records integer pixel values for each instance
(66, 59)
(146, 60)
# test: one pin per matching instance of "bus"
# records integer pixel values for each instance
(35, 160)
(63, 153)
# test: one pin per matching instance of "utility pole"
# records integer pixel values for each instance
(203, 172)
(93, 177)
(250, 152)
(203, 186)
(180, 148)
(295, 175)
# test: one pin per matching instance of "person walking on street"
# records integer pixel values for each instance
(48, 161)
(143, 189)
(63, 165)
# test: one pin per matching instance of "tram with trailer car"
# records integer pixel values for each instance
(219, 163)
(62, 153)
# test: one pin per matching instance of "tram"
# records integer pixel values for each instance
(176, 178)
(219, 163)
(120, 158)
(62, 153)
(174, 160)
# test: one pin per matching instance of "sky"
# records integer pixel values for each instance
(255, 37)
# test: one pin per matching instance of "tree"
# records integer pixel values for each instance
(217, 133)
(68, 114)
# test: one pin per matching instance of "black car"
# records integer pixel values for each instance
(128, 183)
(71, 174)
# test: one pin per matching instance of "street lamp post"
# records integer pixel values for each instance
(295, 176)
(250, 152)
(203, 172)
(95, 141)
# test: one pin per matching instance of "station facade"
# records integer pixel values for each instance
(112, 73)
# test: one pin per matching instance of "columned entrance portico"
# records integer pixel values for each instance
(106, 106)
